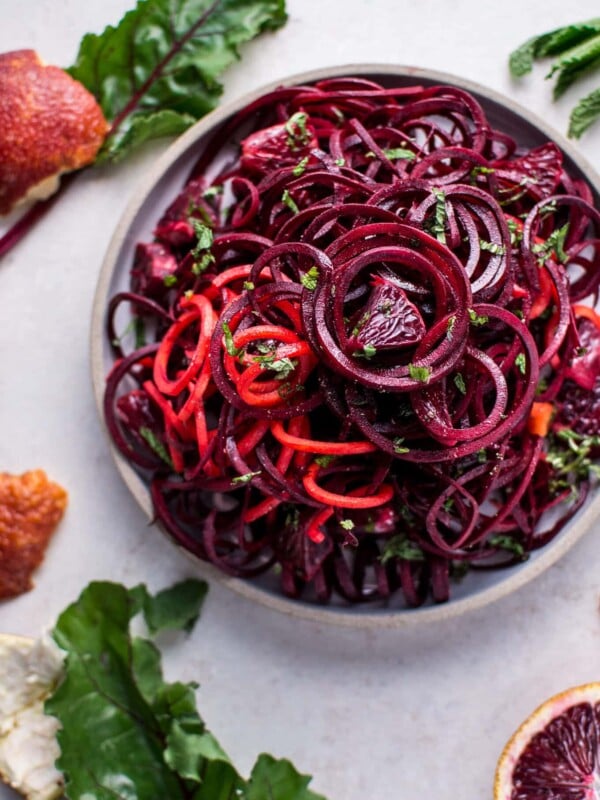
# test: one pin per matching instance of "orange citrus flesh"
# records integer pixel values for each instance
(555, 754)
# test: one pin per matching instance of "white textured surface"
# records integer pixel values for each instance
(385, 715)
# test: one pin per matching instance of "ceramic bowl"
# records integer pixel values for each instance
(162, 184)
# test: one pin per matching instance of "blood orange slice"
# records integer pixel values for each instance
(555, 754)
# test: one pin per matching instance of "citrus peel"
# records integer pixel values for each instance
(555, 753)
(49, 124)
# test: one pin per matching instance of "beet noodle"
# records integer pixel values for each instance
(362, 351)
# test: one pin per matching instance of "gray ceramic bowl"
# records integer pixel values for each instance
(149, 201)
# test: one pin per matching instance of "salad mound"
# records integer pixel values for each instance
(362, 350)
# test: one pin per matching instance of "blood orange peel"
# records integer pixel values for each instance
(49, 124)
(555, 754)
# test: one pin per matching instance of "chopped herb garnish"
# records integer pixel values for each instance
(212, 191)
(399, 446)
(400, 546)
(460, 384)
(492, 247)
(450, 326)
(156, 445)
(516, 231)
(204, 236)
(347, 524)
(439, 226)
(298, 133)
(325, 461)
(482, 455)
(421, 374)
(554, 245)
(369, 350)
(243, 479)
(248, 286)
(509, 543)
(361, 323)
(300, 167)
(198, 267)
(394, 154)
(170, 280)
(476, 319)
(521, 363)
(281, 366)
(288, 200)
(340, 162)
(479, 169)
(310, 278)
(231, 349)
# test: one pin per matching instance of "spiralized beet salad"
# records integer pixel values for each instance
(363, 353)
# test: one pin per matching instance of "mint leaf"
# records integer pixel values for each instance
(421, 374)
(157, 70)
(400, 546)
(273, 779)
(520, 61)
(584, 114)
(574, 63)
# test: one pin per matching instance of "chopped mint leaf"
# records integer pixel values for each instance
(439, 225)
(516, 231)
(394, 154)
(509, 543)
(298, 133)
(248, 286)
(170, 280)
(492, 247)
(476, 319)
(553, 246)
(479, 169)
(309, 279)
(450, 326)
(369, 350)
(521, 363)
(347, 524)
(325, 461)
(231, 349)
(340, 162)
(300, 167)
(399, 446)
(460, 384)
(421, 374)
(242, 479)
(212, 191)
(400, 546)
(204, 236)
(288, 200)
(156, 445)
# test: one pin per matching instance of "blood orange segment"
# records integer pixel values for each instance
(555, 754)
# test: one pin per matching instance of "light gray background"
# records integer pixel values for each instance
(383, 715)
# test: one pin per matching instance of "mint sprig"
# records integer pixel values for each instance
(576, 49)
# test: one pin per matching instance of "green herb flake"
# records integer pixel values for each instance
(399, 446)
(400, 546)
(553, 246)
(515, 230)
(421, 374)
(198, 267)
(369, 351)
(340, 162)
(480, 169)
(476, 319)
(521, 363)
(248, 286)
(492, 247)
(300, 167)
(204, 236)
(460, 384)
(243, 479)
(325, 461)
(439, 225)
(310, 279)
(347, 524)
(298, 133)
(212, 191)
(361, 323)
(288, 200)
(155, 444)
(450, 326)
(170, 280)
(231, 349)
(508, 543)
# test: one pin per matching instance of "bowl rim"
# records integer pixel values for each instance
(346, 616)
